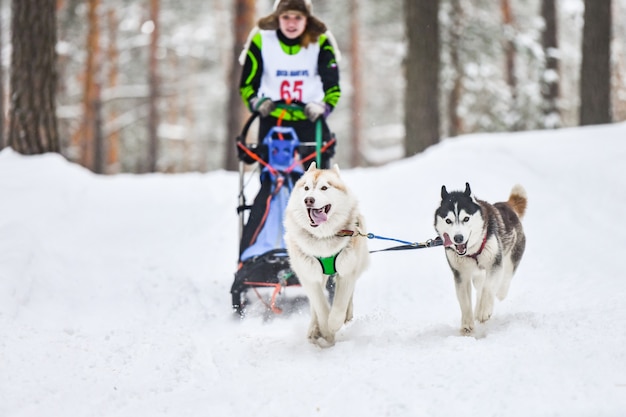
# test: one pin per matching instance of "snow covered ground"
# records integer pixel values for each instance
(114, 294)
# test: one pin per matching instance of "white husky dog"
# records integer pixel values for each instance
(484, 246)
(323, 228)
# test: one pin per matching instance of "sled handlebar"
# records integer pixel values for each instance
(294, 105)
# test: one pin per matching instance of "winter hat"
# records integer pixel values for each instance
(302, 6)
(314, 26)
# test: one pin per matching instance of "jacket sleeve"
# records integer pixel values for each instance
(329, 72)
(252, 71)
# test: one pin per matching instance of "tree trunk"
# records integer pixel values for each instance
(455, 122)
(33, 124)
(84, 140)
(509, 49)
(595, 77)
(422, 75)
(244, 13)
(357, 89)
(551, 77)
(2, 141)
(153, 85)
(99, 148)
(112, 140)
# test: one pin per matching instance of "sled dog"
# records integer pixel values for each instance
(322, 235)
(484, 244)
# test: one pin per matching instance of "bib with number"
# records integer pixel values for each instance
(289, 77)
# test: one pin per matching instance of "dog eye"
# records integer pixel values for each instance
(448, 221)
(465, 219)
(324, 188)
(306, 188)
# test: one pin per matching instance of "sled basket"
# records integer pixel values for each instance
(268, 270)
(263, 259)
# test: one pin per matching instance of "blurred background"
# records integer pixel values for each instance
(152, 85)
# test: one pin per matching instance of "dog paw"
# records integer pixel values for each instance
(466, 330)
(314, 333)
(325, 342)
(320, 337)
(349, 316)
(484, 314)
(484, 309)
(322, 340)
(483, 317)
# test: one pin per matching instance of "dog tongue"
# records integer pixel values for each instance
(318, 215)
(446, 240)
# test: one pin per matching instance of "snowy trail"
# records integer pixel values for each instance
(114, 294)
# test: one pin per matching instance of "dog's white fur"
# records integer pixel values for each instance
(311, 236)
(484, 245)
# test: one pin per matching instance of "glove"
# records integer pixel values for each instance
(262, 105)
(313, 110)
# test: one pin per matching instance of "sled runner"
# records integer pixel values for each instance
(263, 260)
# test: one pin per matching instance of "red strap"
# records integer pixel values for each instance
(273, 170)
(481, 248)
(312, 155)
(256, 158)
(272, 306)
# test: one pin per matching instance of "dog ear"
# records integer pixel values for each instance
(444, 192)
(468, 191)
(336, 168)
(312, 167)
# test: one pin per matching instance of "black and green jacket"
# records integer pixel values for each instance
(327, 68)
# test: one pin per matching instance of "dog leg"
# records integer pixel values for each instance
(484, 309)
(484, 285)
(507, 277)
(341, 310)
(478, 280)
(464, 295)
(319, 310)
(349, 315)
(314, 328)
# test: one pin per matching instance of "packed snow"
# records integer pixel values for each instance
(114, 294)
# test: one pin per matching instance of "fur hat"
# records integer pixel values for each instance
(314, 26)
(302, 6)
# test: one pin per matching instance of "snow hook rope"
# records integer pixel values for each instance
(405, 244)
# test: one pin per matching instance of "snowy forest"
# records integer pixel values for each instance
(128, 71)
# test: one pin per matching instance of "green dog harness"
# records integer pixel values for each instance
(328, 264)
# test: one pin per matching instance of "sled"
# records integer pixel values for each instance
(263, 262)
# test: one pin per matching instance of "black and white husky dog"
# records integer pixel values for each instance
(484, 245)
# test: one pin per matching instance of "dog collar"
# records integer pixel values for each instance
(475, 256)
(346, 233)
(350, 233)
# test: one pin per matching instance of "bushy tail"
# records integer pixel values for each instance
(518, 200)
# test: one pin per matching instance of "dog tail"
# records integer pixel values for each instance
(518, 200)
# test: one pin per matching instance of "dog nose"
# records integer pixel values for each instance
(458, 239)
(309, 201)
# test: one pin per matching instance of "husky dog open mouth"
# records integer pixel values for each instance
(460, 248)
(318, 215)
